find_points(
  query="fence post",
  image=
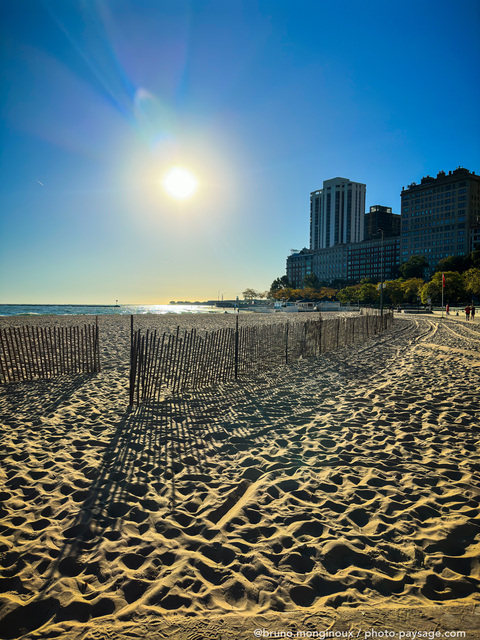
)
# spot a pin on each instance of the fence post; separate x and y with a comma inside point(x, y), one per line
point(132, 366)
point(286, 343)
point(320, 335)
point(236, 347)
point(97, 366)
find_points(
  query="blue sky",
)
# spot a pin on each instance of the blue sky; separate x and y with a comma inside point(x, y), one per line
point(262, 100)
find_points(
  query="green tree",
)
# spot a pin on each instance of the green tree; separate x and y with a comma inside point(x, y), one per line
point(414, 267)
point(349, 294)
point(411, 289)
point(280, 283)
point(471, 280)
point(454, 290)
point(452, 263)
point(394, 292)
point(311, 281)
point(369, 294)
point(250, 294)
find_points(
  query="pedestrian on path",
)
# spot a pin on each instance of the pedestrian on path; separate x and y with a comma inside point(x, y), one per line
point(472, 312)
point(467, 312)
point(447, 308)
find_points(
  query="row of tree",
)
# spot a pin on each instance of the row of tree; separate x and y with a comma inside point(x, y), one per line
point(462, 282)
point(459, 287)
point(416, 266)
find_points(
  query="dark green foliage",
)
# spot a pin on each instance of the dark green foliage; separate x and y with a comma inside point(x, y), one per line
point(312, 281)
point(414, 267)
point(280, 283)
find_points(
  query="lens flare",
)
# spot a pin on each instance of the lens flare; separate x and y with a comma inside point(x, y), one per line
point(179, 183)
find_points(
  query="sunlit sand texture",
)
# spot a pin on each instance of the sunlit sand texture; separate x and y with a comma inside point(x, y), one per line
point(348, 482)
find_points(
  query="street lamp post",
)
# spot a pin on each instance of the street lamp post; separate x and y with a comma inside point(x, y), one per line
point(382, 269)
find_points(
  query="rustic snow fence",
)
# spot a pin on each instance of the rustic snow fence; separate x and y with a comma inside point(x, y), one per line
point(188, 360)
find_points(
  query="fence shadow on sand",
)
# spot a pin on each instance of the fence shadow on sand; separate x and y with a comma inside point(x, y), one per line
point(39, 398)
point(157, 454)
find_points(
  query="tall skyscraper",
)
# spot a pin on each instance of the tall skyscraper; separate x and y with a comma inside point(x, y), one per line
point(337, 213)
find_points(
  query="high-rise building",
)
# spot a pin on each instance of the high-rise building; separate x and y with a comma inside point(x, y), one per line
point(381, 218)
point(440, 216)
point(337, 213)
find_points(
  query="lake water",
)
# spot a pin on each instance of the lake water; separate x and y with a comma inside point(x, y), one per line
point(97, 310)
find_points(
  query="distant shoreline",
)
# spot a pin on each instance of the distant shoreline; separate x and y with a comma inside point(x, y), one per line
point(102, 306)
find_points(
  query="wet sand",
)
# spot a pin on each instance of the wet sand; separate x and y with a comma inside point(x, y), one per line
point(340, 493)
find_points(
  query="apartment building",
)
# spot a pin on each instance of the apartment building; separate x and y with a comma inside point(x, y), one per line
point(374, 259)
point(299, 265)
point(344, 264)
point(337, 213)
point(440, 217)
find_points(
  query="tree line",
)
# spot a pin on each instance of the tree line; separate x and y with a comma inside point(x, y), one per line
point(462, 283)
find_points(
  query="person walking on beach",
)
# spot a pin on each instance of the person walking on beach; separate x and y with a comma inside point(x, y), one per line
point(447, 309)
point(467, 312)
point(472, 312)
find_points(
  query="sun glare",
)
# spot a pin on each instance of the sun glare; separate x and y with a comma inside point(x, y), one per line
point(179, 183)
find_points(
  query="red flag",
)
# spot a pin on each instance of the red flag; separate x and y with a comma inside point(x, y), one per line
point(443, 280)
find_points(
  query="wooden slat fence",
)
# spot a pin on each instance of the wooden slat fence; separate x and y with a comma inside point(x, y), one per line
point(180, 361)
point(30, 353)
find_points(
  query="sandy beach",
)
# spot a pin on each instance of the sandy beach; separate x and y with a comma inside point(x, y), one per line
point(339, 493)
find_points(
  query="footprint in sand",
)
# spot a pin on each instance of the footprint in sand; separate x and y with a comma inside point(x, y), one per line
point(133, 590)
point(133, 560)
point(218, 553)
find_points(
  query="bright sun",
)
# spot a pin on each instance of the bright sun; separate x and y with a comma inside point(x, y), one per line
point(179, 183)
